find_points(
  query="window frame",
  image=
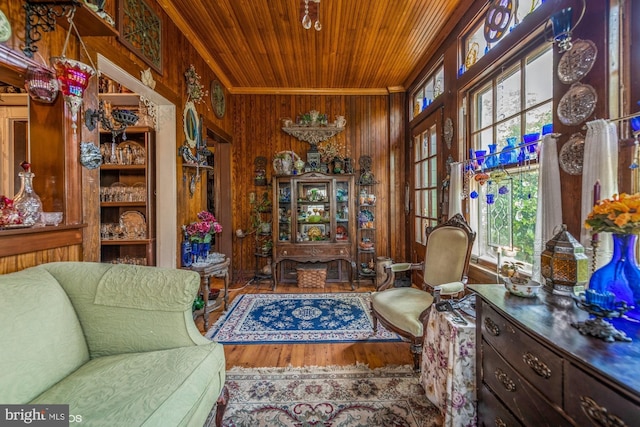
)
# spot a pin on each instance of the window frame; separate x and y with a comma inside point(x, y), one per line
point(516, 62)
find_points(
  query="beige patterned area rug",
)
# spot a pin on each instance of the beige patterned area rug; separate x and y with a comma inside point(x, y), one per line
point(344, 396)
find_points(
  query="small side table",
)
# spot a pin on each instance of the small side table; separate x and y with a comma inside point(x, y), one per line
point(449, 367)
point(219, 270)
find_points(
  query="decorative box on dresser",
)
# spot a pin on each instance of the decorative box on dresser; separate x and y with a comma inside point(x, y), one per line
point(535, 369)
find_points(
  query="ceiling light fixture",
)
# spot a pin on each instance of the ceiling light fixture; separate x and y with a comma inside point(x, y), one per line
point(307, 20)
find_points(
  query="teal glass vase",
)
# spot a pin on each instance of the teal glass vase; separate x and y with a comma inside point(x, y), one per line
point(621, 275)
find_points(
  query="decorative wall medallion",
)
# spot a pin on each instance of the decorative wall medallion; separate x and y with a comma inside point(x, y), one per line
point(577, 104)
point(571, 156)
point(577, 62)
point(218, 101)
point(448, 132)
point(141, 31)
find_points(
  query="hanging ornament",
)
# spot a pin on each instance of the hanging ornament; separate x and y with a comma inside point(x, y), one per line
point(73, 77)
point(41, 84)
point(474, 194)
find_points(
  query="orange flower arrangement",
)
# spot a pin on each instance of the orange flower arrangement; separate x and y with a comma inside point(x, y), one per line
point(620, 214)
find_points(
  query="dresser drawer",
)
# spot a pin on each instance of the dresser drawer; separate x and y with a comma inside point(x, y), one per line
point(312, 252)
point(589, 402)
point(541, 367)
point(528, 405)
point(493, 413)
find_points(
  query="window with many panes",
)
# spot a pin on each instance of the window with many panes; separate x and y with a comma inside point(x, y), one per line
point(515, 101)
point(429, 91)
point(425, 167)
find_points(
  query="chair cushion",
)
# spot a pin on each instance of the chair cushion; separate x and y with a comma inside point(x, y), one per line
point(401, 307)
point(156, 388)
point(41, 340)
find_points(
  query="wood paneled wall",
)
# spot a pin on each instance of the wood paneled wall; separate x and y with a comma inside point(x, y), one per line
point(178, 54)
point(374, 128)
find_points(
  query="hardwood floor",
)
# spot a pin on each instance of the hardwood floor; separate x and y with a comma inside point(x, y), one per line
point(280, 355)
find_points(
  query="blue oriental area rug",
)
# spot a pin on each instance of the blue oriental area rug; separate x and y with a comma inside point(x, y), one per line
point(298, 318)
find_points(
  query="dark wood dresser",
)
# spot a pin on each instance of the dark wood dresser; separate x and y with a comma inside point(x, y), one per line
point(535, 369)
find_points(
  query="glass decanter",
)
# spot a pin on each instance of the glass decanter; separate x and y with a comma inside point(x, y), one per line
point(27, 202)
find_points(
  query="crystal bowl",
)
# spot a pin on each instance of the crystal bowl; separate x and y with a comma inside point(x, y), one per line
point(528, 289)
point(51, 218)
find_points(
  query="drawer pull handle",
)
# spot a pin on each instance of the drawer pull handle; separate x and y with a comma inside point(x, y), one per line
point(599, 414)
point(536, 365)
point(504, 379)
point(500, 423)
point(491, 326)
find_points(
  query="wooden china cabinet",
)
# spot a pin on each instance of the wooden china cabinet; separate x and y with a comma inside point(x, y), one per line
point(313, 220)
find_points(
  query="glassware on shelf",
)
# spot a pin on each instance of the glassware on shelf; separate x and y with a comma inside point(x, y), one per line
point(27, 202)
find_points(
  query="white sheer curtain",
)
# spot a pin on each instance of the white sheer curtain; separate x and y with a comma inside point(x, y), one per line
point(456, 183)
point(549, 214)
point(600, 164)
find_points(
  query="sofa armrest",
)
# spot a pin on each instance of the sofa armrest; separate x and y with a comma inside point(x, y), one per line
point(126, 308)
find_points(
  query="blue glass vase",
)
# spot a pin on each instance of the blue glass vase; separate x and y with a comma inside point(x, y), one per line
point(492, 158)
point(621, 275)
point(508, 155)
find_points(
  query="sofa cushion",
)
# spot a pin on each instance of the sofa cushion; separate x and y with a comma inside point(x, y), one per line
point(41, 340)
point(117, 327)
point(158, 388)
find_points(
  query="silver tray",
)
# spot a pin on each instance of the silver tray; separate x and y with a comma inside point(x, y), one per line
point(577, 104)
point(577, 62)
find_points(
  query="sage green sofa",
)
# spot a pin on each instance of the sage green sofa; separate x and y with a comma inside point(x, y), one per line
point(117, 343)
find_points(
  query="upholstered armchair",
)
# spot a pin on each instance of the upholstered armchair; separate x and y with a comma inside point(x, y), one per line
point(446, 262)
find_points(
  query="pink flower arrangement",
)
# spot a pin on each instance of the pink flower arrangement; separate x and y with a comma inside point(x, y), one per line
point(202, 231)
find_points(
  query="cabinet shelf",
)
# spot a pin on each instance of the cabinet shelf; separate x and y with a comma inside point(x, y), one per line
point(125, 242)
point(122, 204)
point(137, 180)
point(111, 166)
point(366, 213)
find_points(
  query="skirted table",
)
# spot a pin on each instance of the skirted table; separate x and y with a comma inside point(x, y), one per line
point(449, 369)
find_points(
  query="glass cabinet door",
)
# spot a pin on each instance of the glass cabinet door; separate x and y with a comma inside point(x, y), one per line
point(313, 211)
point(342, 211)
point(284, 211)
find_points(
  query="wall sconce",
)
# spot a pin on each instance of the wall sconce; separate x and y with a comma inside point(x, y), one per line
point(115, 121)
point(562, 26)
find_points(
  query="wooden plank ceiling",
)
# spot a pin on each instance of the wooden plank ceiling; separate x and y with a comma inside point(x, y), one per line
point(260, 46)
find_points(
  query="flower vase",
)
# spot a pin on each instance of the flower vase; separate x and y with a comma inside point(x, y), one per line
point(621, 275)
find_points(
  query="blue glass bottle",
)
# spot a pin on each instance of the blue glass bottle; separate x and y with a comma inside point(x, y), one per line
point(621, 275)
